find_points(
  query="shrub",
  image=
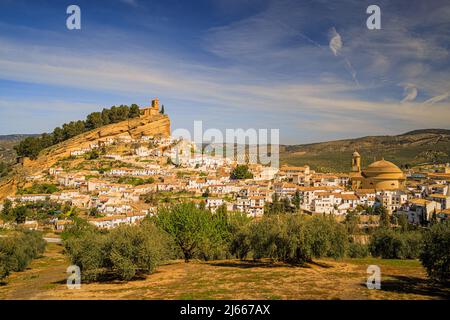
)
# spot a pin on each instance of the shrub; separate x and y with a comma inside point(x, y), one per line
point(265, 238)
point(329, 238)
point(135, 250)
point(390, 244)
point(216, 243)
point(412, 244)
point(435, 256)
point(239, 227)
point(87, 252)
point(386, 244)
point(18, 250)
point(357, 250)
point(123, 253)
point(77, 229)
point(296, 239)
point(43, 188)
point(241, 172)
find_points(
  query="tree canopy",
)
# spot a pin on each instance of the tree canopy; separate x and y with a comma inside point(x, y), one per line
point(241, 172)
point(31, 146)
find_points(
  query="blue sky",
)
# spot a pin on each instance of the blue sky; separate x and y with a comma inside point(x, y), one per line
point(310, 68)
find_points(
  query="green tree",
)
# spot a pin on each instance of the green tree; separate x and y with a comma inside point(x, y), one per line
point(162, 109)
point(92, 155)
point(123, 253)
point(94, 120)
point(435, 256)
point(20, 214)
point(206, 193)
point(29, 147)
point(276, 206)
point(191, 228)
point(240, 245)
point(241, 172)
point(73, 129)
point(7, 211)
point(87, 251)
point(134, 111)
point(106, 118)
point(3, 169)
point(296, 239)
point(296, 201)
point(357, 250)
point(403, 222)
point(352, 221)
point(93, 212)
point(46, 140)
point(391, 244)
point(17, 251)
point(384, 216)
point(135, 250)
point(286, 205)
point(58, 135)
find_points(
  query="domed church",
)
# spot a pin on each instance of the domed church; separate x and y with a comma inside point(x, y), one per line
point(380, 175)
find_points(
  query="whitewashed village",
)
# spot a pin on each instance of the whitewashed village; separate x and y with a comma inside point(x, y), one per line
point(122, 180)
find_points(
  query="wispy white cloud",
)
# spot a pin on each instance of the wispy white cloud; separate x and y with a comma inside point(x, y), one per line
point(409, 92)
point(267, 67)
point(335, 42)
point(336, 45)
point(438, 98)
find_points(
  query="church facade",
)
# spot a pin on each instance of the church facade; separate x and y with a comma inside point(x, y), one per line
point(379, 175)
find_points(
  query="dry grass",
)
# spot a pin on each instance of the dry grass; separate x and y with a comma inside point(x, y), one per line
point(231, 279)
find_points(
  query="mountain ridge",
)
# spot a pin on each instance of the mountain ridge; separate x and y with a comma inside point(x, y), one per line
point(405, 150)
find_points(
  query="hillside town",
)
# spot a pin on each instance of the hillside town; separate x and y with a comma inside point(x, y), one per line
point(122, 180)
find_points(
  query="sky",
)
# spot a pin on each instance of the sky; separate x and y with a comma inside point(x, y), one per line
point(311, 69)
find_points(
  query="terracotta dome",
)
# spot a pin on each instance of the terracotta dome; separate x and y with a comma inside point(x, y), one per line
point(383, 166)
point(380, 175)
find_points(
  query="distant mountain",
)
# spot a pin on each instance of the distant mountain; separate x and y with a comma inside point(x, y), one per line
point(408, 149)
point(7, 142)
point(15, 137)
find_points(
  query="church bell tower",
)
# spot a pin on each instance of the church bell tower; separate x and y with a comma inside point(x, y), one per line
point(356, 162)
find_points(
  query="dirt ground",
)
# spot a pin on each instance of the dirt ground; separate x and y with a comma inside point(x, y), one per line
point(231, 279)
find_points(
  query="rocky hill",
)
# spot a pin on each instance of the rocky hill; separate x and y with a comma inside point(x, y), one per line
point(408, 149)
point(150, 125)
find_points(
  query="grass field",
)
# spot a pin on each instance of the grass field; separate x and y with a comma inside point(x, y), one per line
point(230, 279)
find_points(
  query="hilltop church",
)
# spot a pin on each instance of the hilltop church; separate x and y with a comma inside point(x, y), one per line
point(153, 110)
point(380, 175)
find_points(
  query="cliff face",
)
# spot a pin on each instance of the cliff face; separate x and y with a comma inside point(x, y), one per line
point(135, 128)
point(150, 125)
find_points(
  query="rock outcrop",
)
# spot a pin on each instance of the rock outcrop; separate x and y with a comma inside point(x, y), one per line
point(148, 125)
